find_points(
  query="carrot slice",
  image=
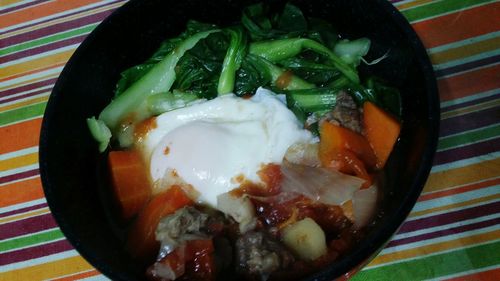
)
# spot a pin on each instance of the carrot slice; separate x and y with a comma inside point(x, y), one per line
point(131, 184)
point(142, 242)
point(381, 130)
point(335, 139)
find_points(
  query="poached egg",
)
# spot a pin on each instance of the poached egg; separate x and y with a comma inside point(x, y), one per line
point(211, 144)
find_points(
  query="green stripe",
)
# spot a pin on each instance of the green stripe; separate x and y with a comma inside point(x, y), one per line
point(469, 137)
point(436, 265)
point(46, 40)
point(22, 113)
point(31, 240)
point(440, 7)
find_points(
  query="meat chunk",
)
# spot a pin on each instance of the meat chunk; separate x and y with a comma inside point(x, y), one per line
point(259, 254)
point(185, 224)
point(345, 113)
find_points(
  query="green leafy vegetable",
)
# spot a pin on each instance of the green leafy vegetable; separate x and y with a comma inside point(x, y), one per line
point(232, 62)
point(276, 50)
point(288, 52)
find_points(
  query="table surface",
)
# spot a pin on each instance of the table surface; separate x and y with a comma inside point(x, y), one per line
point(453, 232)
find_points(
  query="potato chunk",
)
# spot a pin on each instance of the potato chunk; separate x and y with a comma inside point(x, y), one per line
point(306, 239)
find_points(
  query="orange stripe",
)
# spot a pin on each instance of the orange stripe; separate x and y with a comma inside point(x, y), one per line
point(460, 86)
point(20, 135)
point(412, 4)
point(435, 248)
point(35, 65)
point(48, 270)
point(20, 192)
point(41, 11)
point(455, 205)
point(458, 26)
point(458, 190)
point(487, 275)
point(33, 71)
point(463, 175)
point(78, 276)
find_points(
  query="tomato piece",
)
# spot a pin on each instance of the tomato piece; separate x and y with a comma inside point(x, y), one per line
point(142, 242)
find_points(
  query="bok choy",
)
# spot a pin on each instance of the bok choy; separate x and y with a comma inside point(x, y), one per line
point(302, 57)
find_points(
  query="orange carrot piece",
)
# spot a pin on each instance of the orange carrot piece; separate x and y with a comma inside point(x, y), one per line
point(142, 242)
point(334, 139)
point(381, 130)
point(131, 184)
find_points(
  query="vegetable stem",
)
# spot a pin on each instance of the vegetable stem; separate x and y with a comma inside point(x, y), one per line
point(276, 50)
point(232, 61)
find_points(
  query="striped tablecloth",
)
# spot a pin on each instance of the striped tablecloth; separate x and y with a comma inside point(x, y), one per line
point(453, 233)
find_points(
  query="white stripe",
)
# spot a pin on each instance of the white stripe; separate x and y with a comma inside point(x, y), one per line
point(465, 162)
point(15, 11)
point(464, 60)
point(39, 261)
point(37, 96)
point(26, 215)
point(453, 11)
point(22, 205)
point(4, 7)
point(48, 87)
point(30, 234)
point(44, 94)
point(430, 255)
point(464, 273)
point(96, 278)
point(461, 185)
point(49, 35)
point(464, 42)
point(4, 173)
point(466, 71)
point(66, 12)
point(474, 142)
point(444, 226)
point(21, 121)
point(19, 180)
point(457, 198)
point(20, 152)
point(51, 73)
point(440, 239)
point(470, 98)
point(405, 2)
point(37, 244)
point(458, 208)
point(45, 54)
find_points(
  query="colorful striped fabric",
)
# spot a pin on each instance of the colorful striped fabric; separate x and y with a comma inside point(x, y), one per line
point(453, 233)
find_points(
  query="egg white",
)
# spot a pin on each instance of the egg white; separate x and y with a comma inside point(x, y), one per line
point(209, 144)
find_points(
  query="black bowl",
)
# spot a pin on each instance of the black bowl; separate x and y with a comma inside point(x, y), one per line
point(73, 172)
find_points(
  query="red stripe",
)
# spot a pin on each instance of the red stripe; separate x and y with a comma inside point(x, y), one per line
point(35, 252)
point(487, 275)
point(27, 226)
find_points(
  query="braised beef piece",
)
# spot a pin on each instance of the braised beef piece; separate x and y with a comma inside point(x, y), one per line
point(259, 254)
point(345, 113)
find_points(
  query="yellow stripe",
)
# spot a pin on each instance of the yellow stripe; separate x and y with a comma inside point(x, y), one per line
point(64, 19)
point(35, 64)
point(465, 51)
point(37, 79)
point(19, 161)
point(438, 247)
point(456, 205)
point(412, 4)
point(472, 108)
point(8, 2)
point(48, 270)
point(463, 175)
point(25, 215)
point(24, 103)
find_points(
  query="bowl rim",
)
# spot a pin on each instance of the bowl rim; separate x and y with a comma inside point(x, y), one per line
point(351, 261)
